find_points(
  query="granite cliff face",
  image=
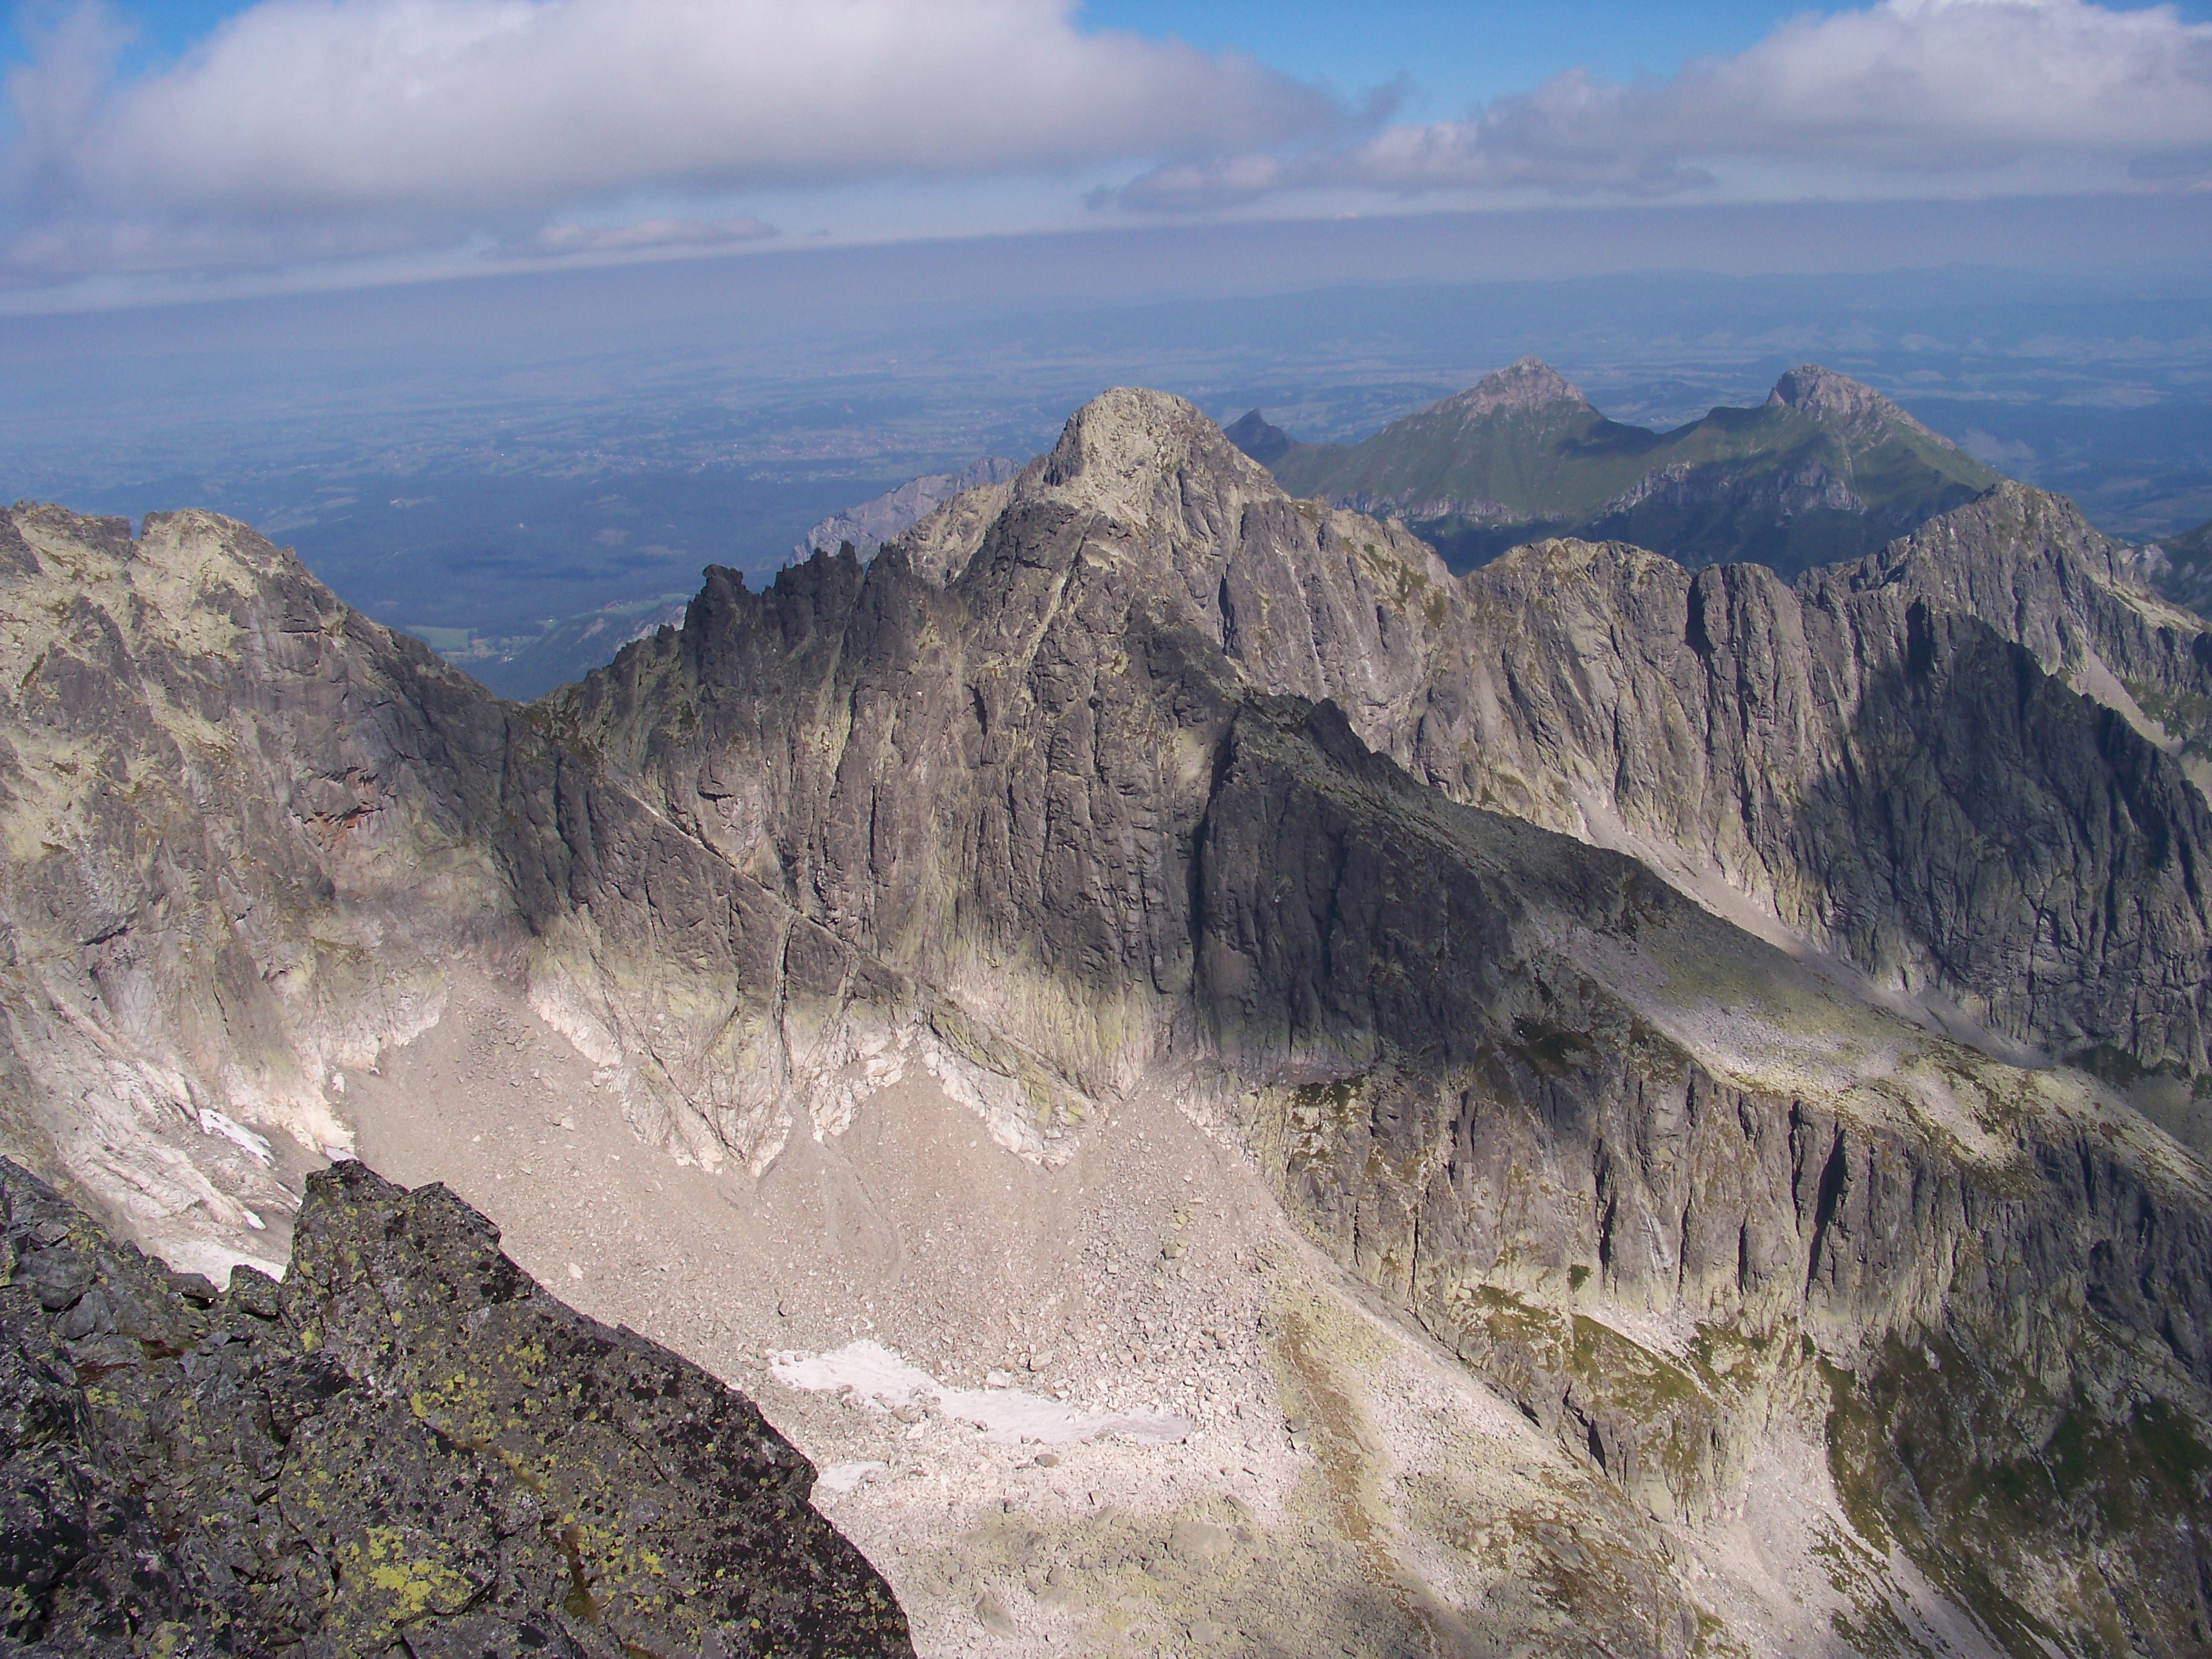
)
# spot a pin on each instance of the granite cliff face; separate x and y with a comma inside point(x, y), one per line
point(406, 1447)
point(1890, 758)
point(1646, 983)
point(1164, 777)
point(248, 830)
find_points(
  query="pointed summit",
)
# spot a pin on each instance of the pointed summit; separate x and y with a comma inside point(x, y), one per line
point(1826, 395)
point(1523, 387)
point(1144, 457)
point(1263, 441)
point(1825, 468)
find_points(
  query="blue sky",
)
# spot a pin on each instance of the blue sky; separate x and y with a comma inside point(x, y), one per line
point(149, 149)
point(1455, 54)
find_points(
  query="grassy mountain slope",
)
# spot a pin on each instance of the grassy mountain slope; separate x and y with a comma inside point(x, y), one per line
point(1825, 468)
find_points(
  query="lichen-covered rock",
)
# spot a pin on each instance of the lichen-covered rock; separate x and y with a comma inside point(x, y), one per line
point(408, 1447)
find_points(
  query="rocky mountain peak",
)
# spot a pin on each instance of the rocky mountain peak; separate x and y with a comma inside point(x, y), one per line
point(1182, 791)
point(871, 522)
point(1826, 395)
point(1520, 388)
point(2014, 551)
point(1258, 437)
point(1139, 456)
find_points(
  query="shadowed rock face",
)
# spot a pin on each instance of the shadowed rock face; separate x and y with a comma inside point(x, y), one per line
point(406, 1447)
point(1483, 1115)
point(1891, 759)
point(245, 828)
point(1136, 773)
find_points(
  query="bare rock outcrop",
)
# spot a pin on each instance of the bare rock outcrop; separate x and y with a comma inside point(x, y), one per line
point(1176, 777)
point(1856, 755)
point(1871, 762)
point(405, 1447)
point(1636, 977)
point(248, 828)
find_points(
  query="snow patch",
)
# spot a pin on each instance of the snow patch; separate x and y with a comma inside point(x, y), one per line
point(882, 1379)
point(844, 1477)
point(213, 1122)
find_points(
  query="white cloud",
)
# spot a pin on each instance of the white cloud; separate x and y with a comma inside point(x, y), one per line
point(418, 133)
point(454, 118)
point(649, 233)
point(1908, 95)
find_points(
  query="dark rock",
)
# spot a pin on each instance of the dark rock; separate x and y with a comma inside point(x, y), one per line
point(1257, 437)
point(254, 1292)
point(488, 1636)
point(196, 1288)
point(56, 1276)
point(408, 1447)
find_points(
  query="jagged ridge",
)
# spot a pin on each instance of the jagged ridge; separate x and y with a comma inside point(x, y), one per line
point(1152, 775)
point(1827, 469)
point(1505, 1076)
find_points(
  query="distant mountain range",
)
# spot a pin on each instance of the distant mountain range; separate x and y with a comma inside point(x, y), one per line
point(1825, 468)
point(872, 523)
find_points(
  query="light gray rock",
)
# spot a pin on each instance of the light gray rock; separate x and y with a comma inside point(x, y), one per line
point(874, 522)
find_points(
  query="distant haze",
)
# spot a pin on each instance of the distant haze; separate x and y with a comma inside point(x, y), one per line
point(499, 457)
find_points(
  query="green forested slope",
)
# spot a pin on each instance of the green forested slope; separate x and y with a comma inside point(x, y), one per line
point(1825, 468)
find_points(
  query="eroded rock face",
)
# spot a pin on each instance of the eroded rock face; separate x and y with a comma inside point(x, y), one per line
point(1097, 784)
point(1866, 756)
point(1134, 772)
point(1892, 759)
point(405, 1447)
point(247, 828)
point(1506, 1131)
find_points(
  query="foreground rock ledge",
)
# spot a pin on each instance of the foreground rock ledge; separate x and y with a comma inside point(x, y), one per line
point(406, 1448)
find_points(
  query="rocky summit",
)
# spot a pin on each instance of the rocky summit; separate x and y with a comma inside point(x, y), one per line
point(1239, 1089)
point(406, 1447)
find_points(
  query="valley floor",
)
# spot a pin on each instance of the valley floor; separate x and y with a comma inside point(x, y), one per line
point(1342, 1487)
